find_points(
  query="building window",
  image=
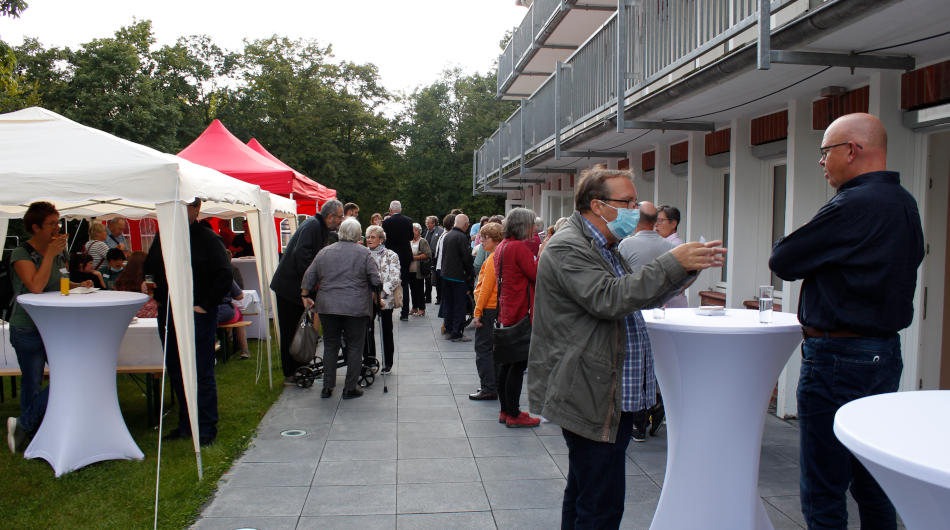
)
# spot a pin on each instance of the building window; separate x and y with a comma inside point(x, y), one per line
point(778, 213)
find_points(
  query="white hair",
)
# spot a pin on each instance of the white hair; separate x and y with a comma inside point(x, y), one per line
point(417, 226)
point(350, 230)
point(395, 206)
point(378, 230)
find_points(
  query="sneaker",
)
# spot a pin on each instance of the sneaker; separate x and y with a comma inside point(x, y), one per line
point(656, 419)
point(502, 417)
point(522, 420)
point(387, 369)
point(15, 434)
point(352, 394)
point(639, 434)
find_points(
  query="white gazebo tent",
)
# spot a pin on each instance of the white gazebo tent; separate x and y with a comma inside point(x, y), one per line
point(87, 172)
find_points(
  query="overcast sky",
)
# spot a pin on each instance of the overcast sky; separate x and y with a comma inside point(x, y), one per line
point(411, 41)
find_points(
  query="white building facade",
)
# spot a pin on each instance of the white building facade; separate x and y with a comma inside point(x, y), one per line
point(709, 126)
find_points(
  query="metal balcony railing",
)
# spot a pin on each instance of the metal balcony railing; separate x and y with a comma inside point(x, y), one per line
point(524, 39)
point(663, 36)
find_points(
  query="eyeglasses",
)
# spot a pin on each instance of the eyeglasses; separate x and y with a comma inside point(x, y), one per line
point(823, 151)
point(630, 203)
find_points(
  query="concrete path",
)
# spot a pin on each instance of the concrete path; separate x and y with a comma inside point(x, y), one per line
point(425, 456)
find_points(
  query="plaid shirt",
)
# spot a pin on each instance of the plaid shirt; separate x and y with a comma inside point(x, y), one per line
point(639, 381)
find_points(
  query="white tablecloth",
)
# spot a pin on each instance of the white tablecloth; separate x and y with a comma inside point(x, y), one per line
point(140, 345)
point(716, 374)
point(248, 268)
point(911, 463)
point(82, 334)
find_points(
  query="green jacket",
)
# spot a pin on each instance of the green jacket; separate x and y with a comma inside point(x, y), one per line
point(578, 339)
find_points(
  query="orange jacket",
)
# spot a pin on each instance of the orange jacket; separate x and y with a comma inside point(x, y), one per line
point(486, 292)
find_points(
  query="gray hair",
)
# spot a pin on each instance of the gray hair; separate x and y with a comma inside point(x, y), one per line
point(417, 226)
point(539, 223)
point(331, 207)
point(350, 228)
point(519, 224)
point(378, 230)
point(395, 206)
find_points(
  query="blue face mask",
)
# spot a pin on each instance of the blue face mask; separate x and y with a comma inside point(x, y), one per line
point(625, 223)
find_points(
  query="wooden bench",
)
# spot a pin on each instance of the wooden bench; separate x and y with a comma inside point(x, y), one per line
point(224, 336)
point(152, 383)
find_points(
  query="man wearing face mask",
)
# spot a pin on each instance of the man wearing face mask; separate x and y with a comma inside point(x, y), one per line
point(583, 369)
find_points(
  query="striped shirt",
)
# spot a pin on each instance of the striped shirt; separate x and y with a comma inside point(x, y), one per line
point(639, 381)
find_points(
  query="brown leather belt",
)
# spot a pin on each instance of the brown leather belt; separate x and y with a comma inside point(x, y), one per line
point(815, 333)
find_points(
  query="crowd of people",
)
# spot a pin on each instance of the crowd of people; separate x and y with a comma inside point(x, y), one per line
point(580, 283)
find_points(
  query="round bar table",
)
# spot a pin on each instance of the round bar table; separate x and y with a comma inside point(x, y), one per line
point(716, 374)
point(912, 463)
point(82, 334)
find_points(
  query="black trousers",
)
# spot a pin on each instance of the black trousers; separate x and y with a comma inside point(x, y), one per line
point(596, 485)
point(510, 378)
point(288, 315)
point(428, 286)
point(335, 329)
point(437, 283)
point(456, 300)
point(416, 286)
point(206, 324)
point(404, 312)
point(484, 361)
point(389, 346)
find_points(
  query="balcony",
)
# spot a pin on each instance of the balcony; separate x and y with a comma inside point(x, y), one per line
point(664, 41)
point(550, 32)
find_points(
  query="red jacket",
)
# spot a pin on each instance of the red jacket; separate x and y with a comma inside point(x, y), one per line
point(518, 276)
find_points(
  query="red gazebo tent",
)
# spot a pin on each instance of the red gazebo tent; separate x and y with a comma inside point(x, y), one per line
point(217, 148)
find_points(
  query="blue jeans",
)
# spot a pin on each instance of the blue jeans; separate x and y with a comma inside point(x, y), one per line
point(31, 355)
point(834, 372)
point(596, 485)
point(206, 325)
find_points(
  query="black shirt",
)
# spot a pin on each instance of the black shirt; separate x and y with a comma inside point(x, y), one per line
point(210, 270)
point(304, 245)
point(858, 257)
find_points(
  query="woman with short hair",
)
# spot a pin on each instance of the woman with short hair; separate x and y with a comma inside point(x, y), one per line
point(486, 311)
point(343, 276)
point(418, 270)
point(516, 265)
point(36, 263)
point(387, 263)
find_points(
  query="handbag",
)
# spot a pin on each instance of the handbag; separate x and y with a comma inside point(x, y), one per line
point(510, 344)
point(304, 346)
point(397, 296)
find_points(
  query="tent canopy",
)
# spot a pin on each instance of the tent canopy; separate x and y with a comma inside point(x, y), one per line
point(217, 148)
point(87, 172)
point(301, 187)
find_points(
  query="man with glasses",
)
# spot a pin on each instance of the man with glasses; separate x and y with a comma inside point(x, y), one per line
point(587, 331)
point(858, 258)
point(306, 242)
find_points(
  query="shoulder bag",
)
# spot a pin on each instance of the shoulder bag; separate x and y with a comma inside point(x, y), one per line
point(510, 343)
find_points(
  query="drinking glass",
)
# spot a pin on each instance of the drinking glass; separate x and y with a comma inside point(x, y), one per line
point(765, 304)
point(64, 285)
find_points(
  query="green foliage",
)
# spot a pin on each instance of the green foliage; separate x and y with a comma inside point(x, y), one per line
point(325, 117)
point(12, 8)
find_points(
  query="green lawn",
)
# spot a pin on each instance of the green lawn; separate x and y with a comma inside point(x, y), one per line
point(121, 493)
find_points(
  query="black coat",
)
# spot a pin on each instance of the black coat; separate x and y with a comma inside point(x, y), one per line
point(210, 270)
point(399, 237)
point(457, 256)
point(309, 239)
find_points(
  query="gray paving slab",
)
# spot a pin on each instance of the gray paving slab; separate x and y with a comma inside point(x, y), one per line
point(425, 456)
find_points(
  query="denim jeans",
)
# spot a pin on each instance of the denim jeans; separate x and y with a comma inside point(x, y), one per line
point(31, 355)
point(834, 372)
point(206, 324)
point(596, 485)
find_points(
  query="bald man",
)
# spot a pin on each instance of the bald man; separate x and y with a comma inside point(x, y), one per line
point(858, 258)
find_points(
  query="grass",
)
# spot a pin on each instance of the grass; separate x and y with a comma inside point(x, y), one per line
point(121, 493)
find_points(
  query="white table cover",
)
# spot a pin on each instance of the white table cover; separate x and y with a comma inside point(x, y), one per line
point(912, 463)
point(716, 374)
point(248, 268)
point(82, 334)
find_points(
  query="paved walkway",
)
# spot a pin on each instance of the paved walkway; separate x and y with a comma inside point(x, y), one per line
point(425, 456)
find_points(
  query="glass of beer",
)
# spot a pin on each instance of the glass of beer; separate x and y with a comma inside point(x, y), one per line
point(64, 284)
point(150, 284)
